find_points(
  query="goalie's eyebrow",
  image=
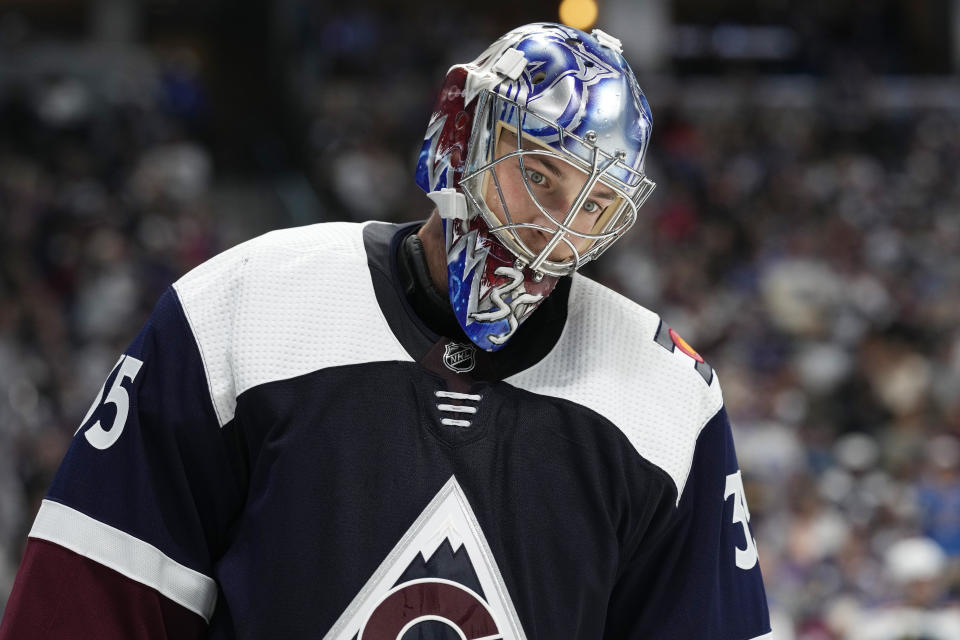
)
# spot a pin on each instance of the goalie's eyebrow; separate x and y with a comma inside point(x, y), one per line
point(599, 191)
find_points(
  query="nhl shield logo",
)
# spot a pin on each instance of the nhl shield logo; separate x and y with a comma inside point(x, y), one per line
point(459, 358)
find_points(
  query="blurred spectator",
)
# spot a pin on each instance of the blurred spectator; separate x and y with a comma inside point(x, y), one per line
point(939, 494)
point(915, 569)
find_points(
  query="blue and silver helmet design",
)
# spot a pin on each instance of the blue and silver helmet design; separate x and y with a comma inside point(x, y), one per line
point(544, 105)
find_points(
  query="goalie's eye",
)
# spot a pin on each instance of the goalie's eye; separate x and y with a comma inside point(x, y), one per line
point(591, 206)
point(535, 177)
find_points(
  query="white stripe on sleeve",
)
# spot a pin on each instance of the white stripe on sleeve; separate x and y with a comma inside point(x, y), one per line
point(125, 554)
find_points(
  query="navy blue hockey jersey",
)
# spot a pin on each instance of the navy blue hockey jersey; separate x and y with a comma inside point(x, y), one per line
point(287, 451)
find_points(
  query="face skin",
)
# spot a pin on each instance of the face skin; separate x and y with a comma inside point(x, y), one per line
point(555, 184)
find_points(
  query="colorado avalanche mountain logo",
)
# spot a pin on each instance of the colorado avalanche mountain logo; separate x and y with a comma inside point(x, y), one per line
point(430, 604)
point(460, 358)
point(440, 582)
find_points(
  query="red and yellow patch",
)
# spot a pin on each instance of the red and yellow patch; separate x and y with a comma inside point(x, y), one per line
point(683, 346)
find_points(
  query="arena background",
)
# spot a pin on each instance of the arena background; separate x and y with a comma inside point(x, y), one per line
point(804, 235)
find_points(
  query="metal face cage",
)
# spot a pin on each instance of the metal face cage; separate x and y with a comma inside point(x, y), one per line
point(555, 199)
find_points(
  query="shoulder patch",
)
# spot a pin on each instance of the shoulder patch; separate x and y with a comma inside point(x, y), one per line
point(670, 339)
point(623, 362)
point(282, 305)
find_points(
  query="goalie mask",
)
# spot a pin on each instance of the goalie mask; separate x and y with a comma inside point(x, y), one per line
point(534, 157)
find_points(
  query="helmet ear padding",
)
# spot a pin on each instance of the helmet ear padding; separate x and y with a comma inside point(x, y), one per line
point(444, 152)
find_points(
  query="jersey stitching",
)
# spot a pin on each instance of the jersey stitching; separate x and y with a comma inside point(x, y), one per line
point(203, 358)
point(686, 477)
point(381, 317)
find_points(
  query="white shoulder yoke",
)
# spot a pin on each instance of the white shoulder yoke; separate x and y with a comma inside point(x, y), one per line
point(608, 360)
point(282, 305)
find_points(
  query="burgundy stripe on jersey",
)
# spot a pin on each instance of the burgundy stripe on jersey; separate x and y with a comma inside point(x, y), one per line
point(60, 594)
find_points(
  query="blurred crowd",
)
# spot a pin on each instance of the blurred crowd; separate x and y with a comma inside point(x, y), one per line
point(106, 197)
point(808, 251)
point(813, 260)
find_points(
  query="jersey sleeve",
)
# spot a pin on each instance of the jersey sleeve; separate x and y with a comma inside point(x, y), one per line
point(698, 576)
point(125, 541)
